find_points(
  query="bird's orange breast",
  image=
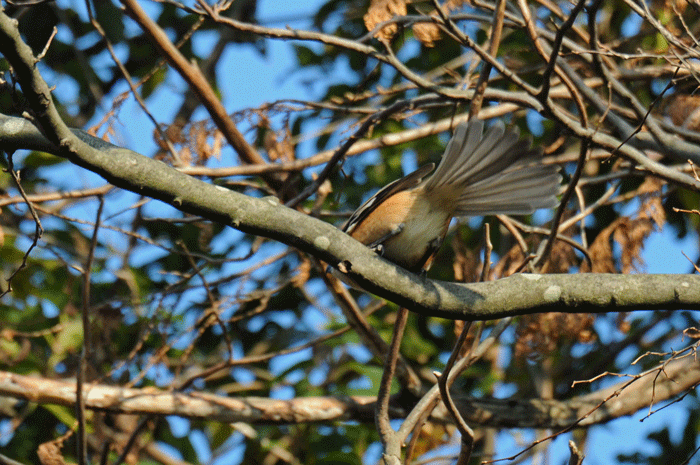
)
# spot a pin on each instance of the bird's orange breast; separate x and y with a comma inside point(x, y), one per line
point(422, 219)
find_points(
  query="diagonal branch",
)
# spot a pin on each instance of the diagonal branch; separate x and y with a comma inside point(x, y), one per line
point(517, 295)
point(199, 85)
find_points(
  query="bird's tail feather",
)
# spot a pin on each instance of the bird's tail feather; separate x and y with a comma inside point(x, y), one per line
point(497, 172)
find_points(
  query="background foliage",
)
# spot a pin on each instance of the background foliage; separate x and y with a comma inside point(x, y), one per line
point(185, 305)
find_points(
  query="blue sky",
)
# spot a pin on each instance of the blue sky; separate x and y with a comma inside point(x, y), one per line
point(252, 79)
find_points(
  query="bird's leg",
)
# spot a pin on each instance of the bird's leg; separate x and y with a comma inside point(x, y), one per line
point(378, 245)
point(430, 252)
point(435, 244)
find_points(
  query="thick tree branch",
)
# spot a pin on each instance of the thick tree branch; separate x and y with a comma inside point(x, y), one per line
point(665, 382)
point(625, 398)
point(517, 295)
point(436, 90)
point(266, 217)
point(191, 405)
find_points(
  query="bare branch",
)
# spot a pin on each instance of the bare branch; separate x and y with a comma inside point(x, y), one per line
point(87, 341)
point(38, 229)
point(193, 75)
point(390, 440)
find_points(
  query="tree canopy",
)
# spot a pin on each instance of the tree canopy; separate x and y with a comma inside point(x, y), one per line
point(164, 295)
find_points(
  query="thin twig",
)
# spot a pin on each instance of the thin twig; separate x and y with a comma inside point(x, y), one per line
point(487, 253)
point(5, 460)
point(199, 85)
point(132, 439)
point(577, 456)
point(482, 83)
point(390, 442)
point(368, 334)
point(134, 91)
point(546, 90)
point(444, 382)
point(541, 257)
point(87, 337)
point(340, 153)
point(52, 196)
point(41, 55)
point(38, 230)
point(556, 46)
point(420, 413)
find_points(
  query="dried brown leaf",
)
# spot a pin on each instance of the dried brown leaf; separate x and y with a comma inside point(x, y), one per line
point(543, 333)
point(217, 143)
point(279, 148)
point(303, 272)
point(206, 234)
point(431, 436)
point(383, 10)
point(175, 133)
point(623, 325)
point(50, 454)
point(684, 111)
point(429, 33)
point(629, 232)
point(509, 263)
point(198, 141)
point(466, 263)
point(185, 155)
point(630, 235)
point(601, 252)
point(561, 259)
point(194, 142)
point(426, 33)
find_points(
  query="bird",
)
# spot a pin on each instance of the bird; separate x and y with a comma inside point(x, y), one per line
point(482, 172)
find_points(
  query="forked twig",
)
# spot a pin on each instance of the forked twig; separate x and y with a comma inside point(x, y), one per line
point(389, 438)
point(444, 382)
point(38, 231)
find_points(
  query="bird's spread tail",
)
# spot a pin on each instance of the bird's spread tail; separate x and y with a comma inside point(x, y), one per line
point(497, 172)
